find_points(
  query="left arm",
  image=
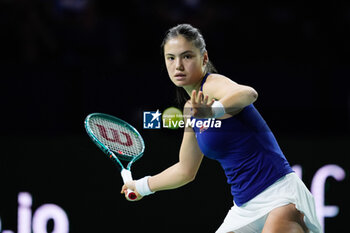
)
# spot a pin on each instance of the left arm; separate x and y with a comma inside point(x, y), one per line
point(233, 96)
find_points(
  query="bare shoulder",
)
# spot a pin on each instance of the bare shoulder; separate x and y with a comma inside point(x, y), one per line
point(217, 80)
point(215, 76)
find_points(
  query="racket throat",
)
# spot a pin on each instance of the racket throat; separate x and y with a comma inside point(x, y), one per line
point(126, 175)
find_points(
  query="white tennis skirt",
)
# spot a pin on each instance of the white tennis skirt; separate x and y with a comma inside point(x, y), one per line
point(251, 216)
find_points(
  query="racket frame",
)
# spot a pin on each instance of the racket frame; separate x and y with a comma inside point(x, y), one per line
point(113, 155)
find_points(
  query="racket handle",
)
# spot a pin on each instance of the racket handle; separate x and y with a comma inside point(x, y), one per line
point(126, 175)
point(131, 195)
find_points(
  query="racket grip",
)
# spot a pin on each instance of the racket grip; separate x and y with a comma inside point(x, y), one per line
point(126, 175)
point(131, 195)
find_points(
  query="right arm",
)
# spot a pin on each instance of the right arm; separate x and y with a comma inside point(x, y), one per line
point(181, 173)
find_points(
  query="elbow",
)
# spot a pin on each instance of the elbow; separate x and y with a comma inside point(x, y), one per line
point(189, 176)
point(192, 177)
point(253, 95)
point(250, 95)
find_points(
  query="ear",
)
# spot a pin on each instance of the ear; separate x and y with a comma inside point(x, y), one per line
point(205, 58)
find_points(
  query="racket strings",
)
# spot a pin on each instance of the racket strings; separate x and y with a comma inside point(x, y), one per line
point(117, 136)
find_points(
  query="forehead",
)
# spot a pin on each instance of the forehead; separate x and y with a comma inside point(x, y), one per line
point(179, 44)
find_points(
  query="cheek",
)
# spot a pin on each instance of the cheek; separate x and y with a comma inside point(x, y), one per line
point(169, 68)
point(193, 66)
point(168, 64)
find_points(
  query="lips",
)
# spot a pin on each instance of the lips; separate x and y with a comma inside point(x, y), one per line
point(180, 76)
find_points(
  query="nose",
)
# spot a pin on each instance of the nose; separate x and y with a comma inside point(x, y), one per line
point(179, 65)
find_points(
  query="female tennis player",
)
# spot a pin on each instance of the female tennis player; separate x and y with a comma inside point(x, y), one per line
point(268, 195)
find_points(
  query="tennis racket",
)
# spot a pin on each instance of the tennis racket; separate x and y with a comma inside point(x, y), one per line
point(118, 140)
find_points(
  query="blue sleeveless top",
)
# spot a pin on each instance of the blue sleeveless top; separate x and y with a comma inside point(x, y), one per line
point(247, 151)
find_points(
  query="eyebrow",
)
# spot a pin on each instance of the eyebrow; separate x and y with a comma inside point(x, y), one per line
point(187, 51)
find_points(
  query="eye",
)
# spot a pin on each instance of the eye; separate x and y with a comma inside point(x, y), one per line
point(188, 56)
point(169, 58)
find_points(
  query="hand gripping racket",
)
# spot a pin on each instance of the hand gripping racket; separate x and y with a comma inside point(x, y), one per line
point(118, 140)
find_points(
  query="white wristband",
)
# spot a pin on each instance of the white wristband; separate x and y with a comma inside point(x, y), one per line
point(142, 186)
point(218, 109)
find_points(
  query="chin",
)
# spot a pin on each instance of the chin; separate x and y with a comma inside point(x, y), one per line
point(179, 83)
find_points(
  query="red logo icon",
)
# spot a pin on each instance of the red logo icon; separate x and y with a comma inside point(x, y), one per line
point(115, 136)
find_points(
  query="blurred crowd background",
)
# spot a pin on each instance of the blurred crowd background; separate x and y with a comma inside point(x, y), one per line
point(63, 59)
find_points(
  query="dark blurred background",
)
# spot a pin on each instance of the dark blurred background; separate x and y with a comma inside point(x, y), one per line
point(63, 59)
